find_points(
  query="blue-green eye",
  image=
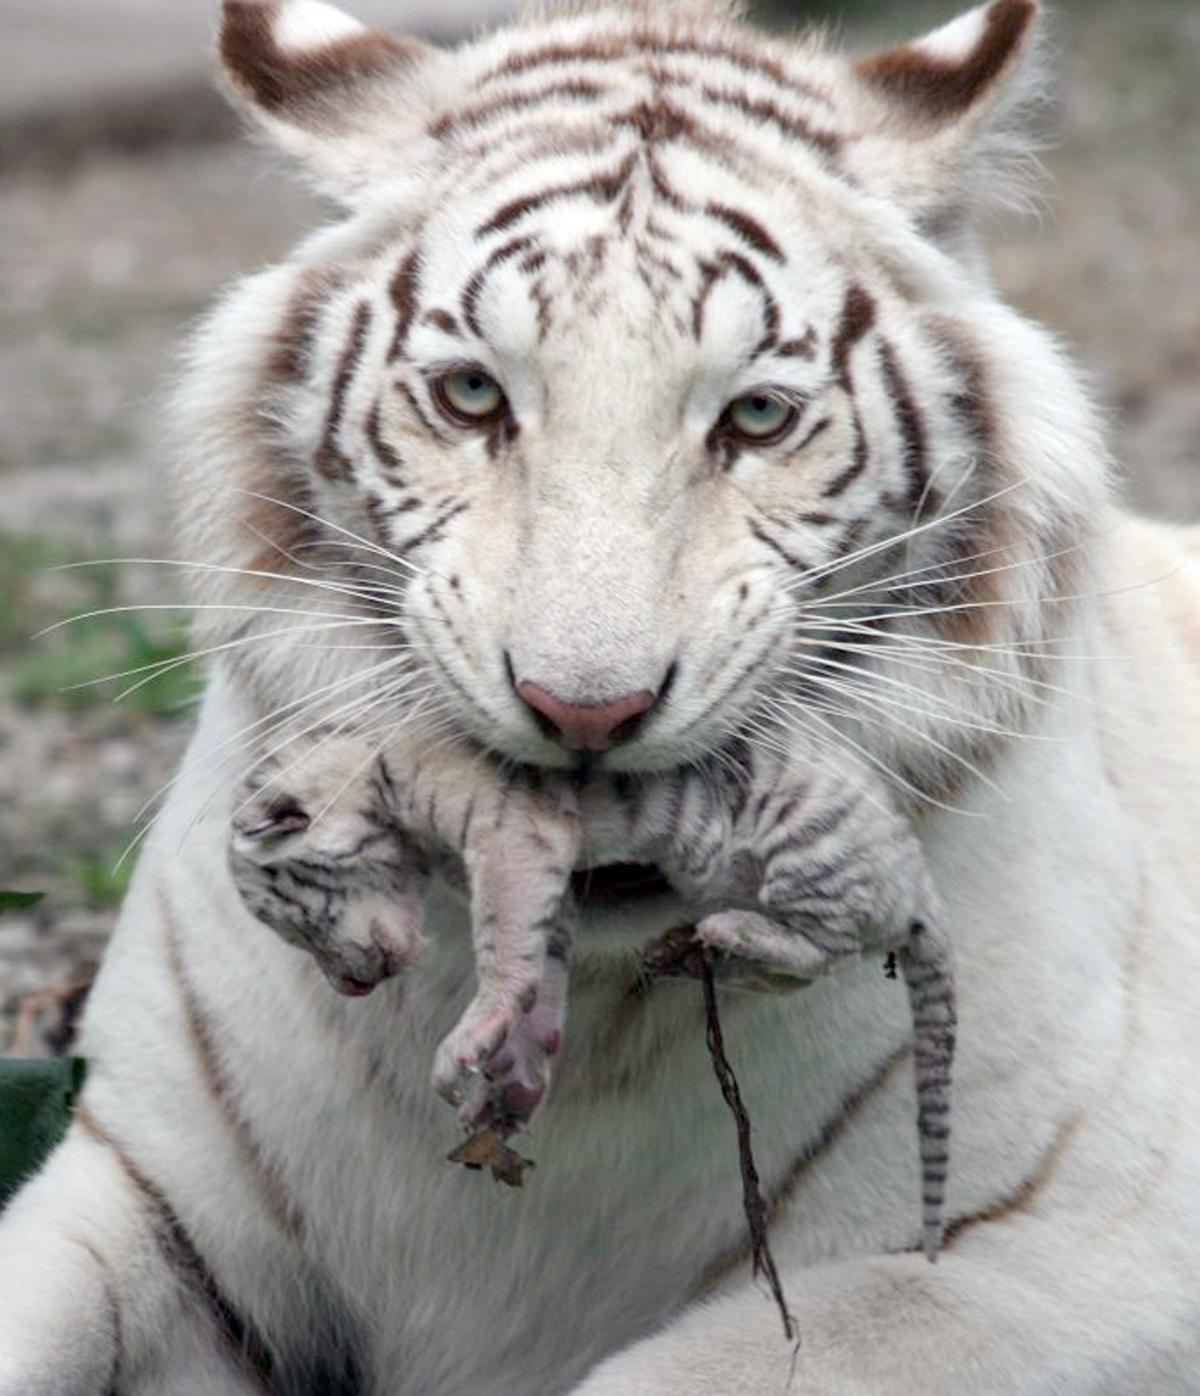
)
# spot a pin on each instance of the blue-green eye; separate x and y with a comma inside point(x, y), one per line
point(470, 395)
point(759, 416)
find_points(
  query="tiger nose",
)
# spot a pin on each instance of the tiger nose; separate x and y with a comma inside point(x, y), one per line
point(584, 726)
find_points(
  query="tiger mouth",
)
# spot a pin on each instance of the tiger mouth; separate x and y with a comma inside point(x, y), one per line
point(616, 884)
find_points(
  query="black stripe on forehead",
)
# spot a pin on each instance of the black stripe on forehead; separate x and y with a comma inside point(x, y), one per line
point(747, 228)
point(712, 272)
point(789, 124)
point(603, 188)
point(858, 315)
point(477, 280)
point(611, 48)
point(404, 289)
point(524, 101)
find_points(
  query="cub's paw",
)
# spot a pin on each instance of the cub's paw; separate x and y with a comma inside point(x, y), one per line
point(331, 874)
point(754, 952)
point(495, 1065)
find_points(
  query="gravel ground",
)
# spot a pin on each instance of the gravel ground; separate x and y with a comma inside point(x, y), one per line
point(109, 248)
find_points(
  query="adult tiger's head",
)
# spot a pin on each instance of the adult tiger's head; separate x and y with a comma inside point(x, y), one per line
point(651, 385)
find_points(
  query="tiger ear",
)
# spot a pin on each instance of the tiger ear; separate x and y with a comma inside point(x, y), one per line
point(322, 86)
point(942, 112)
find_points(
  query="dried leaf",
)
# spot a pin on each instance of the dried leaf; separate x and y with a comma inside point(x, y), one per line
point(486, 1149)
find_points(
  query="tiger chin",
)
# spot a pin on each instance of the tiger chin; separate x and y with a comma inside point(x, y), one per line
point(644, 417)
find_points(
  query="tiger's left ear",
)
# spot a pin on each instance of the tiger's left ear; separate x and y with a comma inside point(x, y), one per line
point(336, 95)
point(941, 113)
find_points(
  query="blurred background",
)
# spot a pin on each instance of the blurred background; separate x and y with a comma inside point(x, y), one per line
point(126, 202)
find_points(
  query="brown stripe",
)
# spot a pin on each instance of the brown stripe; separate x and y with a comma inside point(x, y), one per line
point(443, 320)
point(114, 1312)
point(179, 1252)
point(388, 457)
point(576, 89)
point(814, 431)
point(769, 112)
point(754, 64)
point(265, 1176)
point(858, 315)
point(419, 412)
point(845, 1115)
point(664, 189)
point(803, 348)
point(712, 272)
point(474, 286)
point(604, 188)
point(656, 45)
point(595, 52)
point(329, 459)
point(988, 526)
point(1022, 1197)
point(858, 463)
point(404, 289)
point(912, 429)
point(291, 358)
point(433, 531)
point(747, 228)
point(764, 537)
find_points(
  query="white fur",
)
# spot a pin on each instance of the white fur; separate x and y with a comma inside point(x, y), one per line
point(311, 24)
point(1069, 874)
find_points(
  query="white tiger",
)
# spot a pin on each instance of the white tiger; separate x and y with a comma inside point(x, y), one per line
point(651, 399)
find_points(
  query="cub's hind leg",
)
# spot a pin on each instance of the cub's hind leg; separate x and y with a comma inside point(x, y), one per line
point(89, 1304)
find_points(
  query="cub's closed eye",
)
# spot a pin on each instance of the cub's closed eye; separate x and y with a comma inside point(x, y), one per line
point(758, 417)
point(469, 396)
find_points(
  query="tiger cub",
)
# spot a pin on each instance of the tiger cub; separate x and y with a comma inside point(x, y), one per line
point(794, 867)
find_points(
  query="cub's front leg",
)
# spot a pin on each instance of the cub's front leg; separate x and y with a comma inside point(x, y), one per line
point(316, 853)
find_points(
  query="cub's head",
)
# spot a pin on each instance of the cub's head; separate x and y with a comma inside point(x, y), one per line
point(648, 395)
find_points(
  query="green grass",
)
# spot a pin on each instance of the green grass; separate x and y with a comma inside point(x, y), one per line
point(93, 877)
point(52, 668)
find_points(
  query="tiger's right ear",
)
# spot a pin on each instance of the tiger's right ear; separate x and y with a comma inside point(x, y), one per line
point(334, 94)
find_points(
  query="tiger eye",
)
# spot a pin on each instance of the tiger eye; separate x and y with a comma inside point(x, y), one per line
point(759, 417)
point(470, 395)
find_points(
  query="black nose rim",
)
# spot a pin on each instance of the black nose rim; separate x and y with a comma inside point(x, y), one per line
point(632, 726)
point(622, 733)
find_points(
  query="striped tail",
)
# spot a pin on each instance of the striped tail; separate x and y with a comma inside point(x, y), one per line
point(928, 966)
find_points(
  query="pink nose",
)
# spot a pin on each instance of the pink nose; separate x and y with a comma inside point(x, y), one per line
point(584, 727)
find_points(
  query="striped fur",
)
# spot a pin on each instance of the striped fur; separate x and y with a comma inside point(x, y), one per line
point(792, 869)
point(901, 640)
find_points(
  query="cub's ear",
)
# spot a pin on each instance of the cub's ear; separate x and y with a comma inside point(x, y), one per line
point(942, 114)
point(328, 90)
